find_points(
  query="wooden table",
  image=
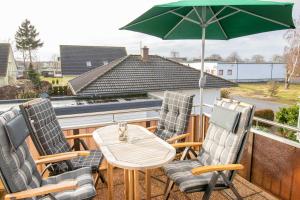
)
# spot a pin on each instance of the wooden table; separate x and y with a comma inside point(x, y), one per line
point(142, 151)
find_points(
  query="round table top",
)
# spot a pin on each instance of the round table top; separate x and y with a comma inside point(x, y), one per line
point(142, 150)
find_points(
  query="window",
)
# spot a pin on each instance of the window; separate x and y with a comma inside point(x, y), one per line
point(88, 63)
point(220, 72)
point(229, 72)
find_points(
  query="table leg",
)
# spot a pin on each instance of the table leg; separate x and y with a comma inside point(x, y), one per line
point(110, 181)
point(131, 184)
point(148, 184)
point(126, 184)
point(136, 185)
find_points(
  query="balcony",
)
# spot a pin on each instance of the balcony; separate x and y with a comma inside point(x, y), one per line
point(272, 163)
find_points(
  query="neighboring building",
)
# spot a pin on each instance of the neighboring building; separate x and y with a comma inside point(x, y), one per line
point(76, 60)
point(8, 66)
point(244, 72)
point(151, 74)
point(45, 68)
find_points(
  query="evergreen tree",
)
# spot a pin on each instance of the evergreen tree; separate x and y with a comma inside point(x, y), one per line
point(34, 77)
point(26, 39)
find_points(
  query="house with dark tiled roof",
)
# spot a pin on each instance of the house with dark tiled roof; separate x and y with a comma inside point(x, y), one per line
point(76, 60)
point(145, 74)
point(8, 66)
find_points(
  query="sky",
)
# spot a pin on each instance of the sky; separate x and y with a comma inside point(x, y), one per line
point(97, 23)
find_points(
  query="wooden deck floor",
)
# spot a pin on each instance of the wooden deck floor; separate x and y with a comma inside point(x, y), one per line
point(246, 189)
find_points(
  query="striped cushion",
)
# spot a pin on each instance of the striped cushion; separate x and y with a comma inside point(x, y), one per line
point(220, 147)
point(86, 189)
point(181, 173)
point(17, 166)
point(174, 115)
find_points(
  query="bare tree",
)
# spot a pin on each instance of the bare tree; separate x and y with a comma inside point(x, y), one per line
point(292, 53)
point(277, 58)
point(214, 57)
point(258, 58)
point(234, 57)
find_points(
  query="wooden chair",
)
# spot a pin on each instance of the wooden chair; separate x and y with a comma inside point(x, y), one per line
point(220, 154)
point(49, 139)
point(18, 170)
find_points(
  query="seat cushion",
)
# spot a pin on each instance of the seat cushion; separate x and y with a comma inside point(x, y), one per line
point(93, 160)
point(181, 173)
point(85, 190)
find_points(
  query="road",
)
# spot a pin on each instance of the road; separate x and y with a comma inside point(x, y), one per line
point(261, 104)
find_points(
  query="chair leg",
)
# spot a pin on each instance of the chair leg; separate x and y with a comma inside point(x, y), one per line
point(168, 189)
point(185, 153)
point(99, 176)
point(211, 186)
point(231, 186)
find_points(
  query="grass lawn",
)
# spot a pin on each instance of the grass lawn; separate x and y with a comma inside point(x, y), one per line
point(61, 81)
point(260, 91)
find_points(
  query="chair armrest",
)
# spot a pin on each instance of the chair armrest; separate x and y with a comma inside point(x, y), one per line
point(61, 157)
point(47, 189)
point(187, 144)
point(174, 139)
point(215, 168)
point(152, 128)
point(72, 137)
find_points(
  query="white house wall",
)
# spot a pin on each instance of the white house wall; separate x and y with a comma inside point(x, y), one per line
point(245, 72)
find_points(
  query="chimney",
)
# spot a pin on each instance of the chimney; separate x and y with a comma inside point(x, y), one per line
point(145, 54)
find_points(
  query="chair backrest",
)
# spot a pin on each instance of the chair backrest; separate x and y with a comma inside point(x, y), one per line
point(17, 168)
point(45, 130)
point(227, 133)
point(174, 115)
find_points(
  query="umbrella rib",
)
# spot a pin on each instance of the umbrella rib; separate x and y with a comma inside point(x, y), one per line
point(200, 19)
point(164, 13)
point(167, 35)
point(218, 22)
point(215, 14)
point(186, 18)
point(226, 16)
point(259, 16)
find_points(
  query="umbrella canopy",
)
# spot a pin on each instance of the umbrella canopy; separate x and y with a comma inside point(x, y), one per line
point(224, 19)
point(213, 19)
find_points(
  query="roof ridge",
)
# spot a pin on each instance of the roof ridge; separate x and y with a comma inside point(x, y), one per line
point(117, 62)
point(197, 69)
point(104, 46)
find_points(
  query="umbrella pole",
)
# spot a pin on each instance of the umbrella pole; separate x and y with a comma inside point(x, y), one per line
point(202, 83)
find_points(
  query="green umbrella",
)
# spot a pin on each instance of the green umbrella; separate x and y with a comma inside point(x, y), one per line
point(213, 19)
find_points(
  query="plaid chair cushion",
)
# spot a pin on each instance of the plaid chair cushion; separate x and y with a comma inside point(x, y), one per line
point(174, 115)
point(51, 139)
point(86, 189)
point(93, 160)
point(17, 166)
point(47, 129)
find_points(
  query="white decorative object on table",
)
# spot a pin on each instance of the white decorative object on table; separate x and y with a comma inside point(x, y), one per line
point(123, 131)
